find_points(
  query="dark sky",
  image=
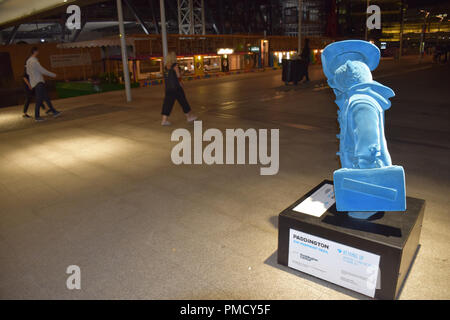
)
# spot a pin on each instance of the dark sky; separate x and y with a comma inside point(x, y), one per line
point(426, 3)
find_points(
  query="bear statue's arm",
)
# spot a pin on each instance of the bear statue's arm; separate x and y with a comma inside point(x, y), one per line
point(366, 130)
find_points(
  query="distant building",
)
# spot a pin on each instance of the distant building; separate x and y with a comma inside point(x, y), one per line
point(314, 17)
point(422, 26)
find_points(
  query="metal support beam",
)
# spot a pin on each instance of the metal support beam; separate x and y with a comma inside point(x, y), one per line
point(13, 34)
point(191, 17)
point(155, 22)
point(163, 29)
point(63, 31)
point(78, 31)
point(299, 32)
point(202, 15)
point(137, 16)
point(184, 17)
point(123, 47)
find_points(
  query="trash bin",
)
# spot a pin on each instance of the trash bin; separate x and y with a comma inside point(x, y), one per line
point(287, 71)
point(293, 70)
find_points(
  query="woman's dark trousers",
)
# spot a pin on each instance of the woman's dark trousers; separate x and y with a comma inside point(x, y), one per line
point(169, 100)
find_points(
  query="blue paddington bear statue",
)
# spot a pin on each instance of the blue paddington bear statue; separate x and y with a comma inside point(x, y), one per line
point(367, 182)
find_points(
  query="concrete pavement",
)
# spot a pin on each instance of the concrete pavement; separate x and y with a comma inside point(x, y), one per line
point(96, 188)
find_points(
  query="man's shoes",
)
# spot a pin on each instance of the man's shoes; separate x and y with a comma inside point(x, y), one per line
point(165, 123)
point(56, 114)
point(39, 119)
point(26, 115)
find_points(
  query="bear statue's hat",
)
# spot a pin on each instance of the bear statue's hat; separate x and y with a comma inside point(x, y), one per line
point(337, 53)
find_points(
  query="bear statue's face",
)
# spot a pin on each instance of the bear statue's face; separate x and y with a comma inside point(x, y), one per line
point(350, 74)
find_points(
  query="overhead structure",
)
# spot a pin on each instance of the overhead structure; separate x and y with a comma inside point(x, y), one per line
point(123, 47)
point(191, 17)
point(136, 14)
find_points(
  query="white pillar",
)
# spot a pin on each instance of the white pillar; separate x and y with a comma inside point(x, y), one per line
point(123, 47)
point(300, 16)
point(163, 28)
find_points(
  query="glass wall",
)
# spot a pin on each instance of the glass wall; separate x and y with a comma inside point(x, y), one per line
point(211, 64)
point(186, 65)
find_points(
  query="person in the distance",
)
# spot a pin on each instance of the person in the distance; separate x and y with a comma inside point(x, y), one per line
point(36, 72)
point(174, 91)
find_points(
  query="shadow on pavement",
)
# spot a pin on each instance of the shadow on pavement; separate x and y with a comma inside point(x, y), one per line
point(14, 120)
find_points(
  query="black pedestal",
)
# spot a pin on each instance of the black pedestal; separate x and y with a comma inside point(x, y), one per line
point(393, 236)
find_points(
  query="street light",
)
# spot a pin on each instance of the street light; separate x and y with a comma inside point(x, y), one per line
point(441, 17)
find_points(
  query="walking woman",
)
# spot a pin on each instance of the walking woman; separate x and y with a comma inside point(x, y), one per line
point(174, 91)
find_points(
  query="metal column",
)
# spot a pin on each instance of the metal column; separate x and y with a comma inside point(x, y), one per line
point(163, 28)
point(300, 16)
point(202, 14)
point(123, 47)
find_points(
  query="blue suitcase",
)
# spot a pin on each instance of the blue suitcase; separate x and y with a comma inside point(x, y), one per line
point(378, 189)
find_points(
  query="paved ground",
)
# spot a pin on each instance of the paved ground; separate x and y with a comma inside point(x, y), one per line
point(96, 188)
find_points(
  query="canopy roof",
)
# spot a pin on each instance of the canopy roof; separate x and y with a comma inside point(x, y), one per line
point(96, 43)
point(13, 12)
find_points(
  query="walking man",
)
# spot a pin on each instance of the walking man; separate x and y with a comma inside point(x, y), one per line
point(36, 72)
point(29, 93)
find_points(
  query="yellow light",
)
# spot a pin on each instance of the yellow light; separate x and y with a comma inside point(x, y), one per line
point(225, 51)
point(67, 152)
point(8, 119)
